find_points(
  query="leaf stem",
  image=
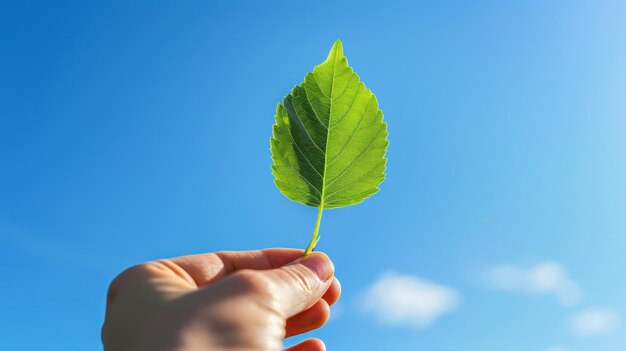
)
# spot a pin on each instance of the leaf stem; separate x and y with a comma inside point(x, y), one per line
point(316, 237)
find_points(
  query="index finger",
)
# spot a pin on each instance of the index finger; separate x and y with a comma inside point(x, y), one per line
point(207, 268)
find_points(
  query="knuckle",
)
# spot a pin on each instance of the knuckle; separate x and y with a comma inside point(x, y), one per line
point(132, 276)
point(251, 281)
point(302, 278)
point(128, 275)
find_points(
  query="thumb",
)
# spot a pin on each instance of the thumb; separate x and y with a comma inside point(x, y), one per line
point(298, 285)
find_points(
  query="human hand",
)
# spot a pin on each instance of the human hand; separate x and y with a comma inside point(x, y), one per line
point(223, 301)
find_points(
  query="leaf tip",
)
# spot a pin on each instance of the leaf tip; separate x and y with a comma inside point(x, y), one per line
point(336, 50)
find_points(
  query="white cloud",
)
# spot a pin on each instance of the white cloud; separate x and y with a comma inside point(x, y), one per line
point(408, 300)
point(556, 348)
point(594, 321)
point(545, 278)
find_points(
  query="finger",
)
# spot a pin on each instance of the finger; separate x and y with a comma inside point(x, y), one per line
point(207, 268)
point(332, 294)
point(297, 286)
point(315, 316)
point(308, 320)
point(308, 345)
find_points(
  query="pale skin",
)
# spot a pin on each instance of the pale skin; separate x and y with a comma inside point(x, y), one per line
point(223, 301)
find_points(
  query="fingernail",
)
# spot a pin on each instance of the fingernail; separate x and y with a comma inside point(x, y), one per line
point(320, 264)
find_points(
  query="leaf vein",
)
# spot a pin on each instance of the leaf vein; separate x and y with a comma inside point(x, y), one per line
point(353, 132)
point(320, 87)
point(299, 174)
point(344, 90)
point(356, 180)
point(303, 154)
point(313, 109)
point(298, 190)
point(349, 108)
point(356, 159)
point(306, 131)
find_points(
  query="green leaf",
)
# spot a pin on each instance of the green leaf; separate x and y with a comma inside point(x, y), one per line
point(329, 141)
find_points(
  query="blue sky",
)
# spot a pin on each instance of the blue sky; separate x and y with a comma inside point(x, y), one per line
point(131, 131)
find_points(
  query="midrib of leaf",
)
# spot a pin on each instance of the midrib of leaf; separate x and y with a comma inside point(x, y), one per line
point(315, 238)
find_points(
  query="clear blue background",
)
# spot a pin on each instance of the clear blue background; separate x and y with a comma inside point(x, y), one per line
point(135, 130)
